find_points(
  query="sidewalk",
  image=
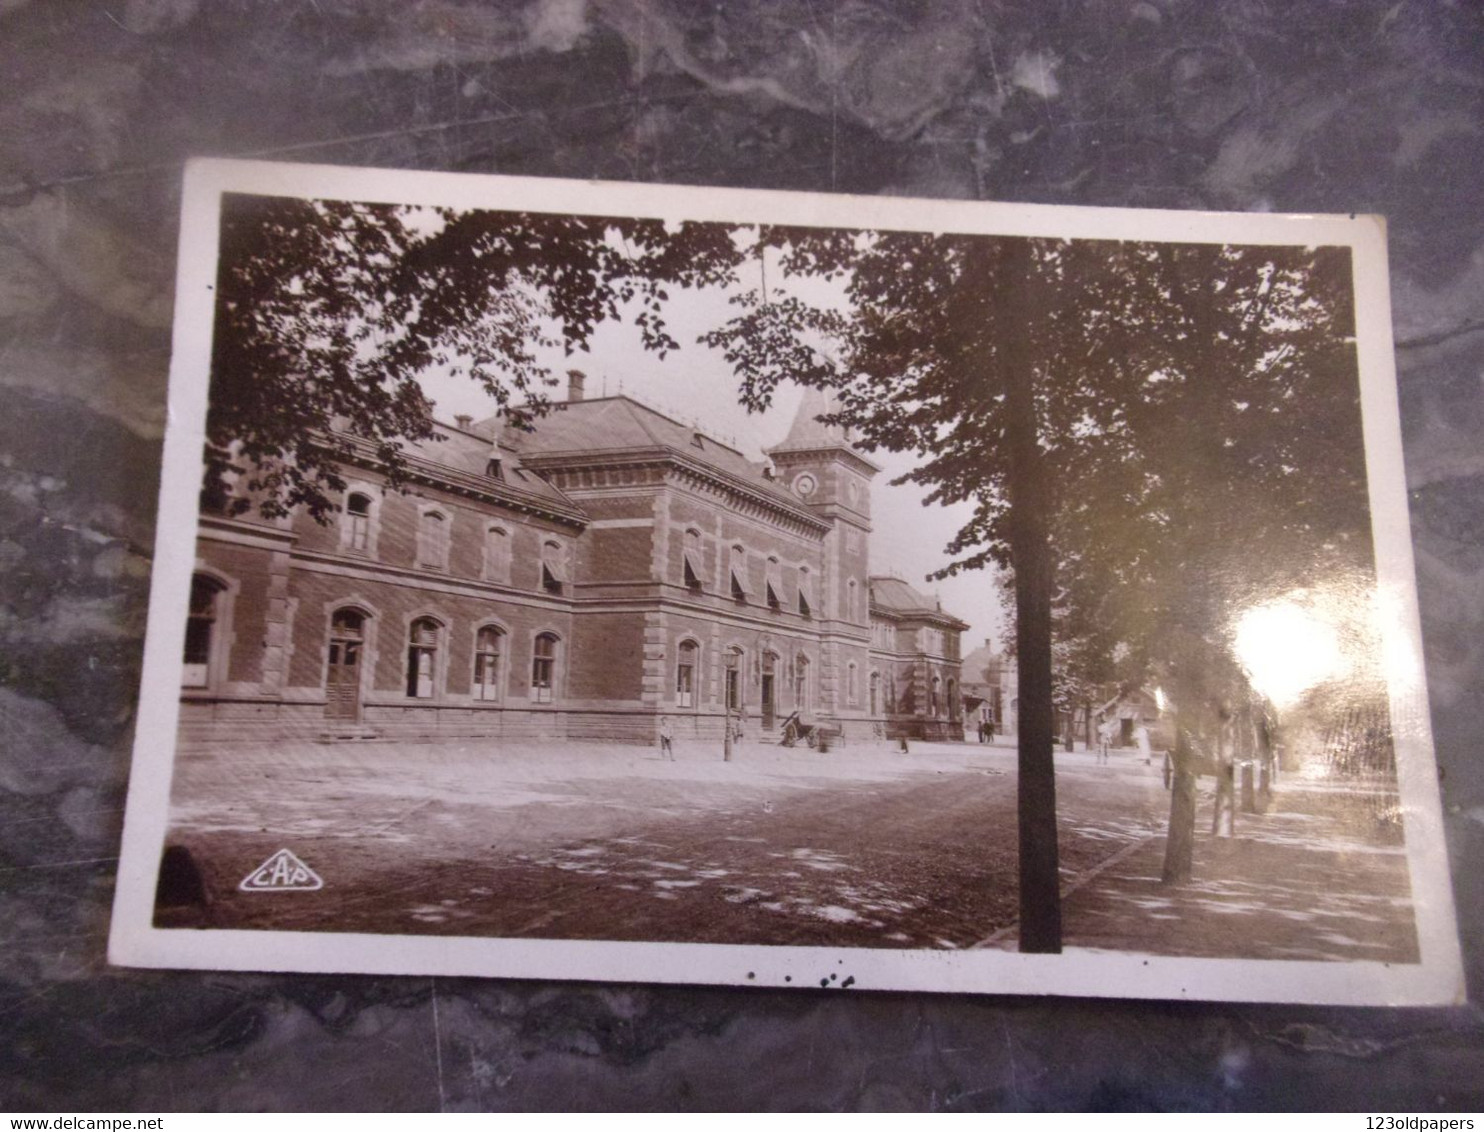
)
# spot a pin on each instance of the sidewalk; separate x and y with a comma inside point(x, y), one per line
point(1313, 878)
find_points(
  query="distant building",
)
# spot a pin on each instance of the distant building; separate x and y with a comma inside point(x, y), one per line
point(575, 582)
point(991, 690)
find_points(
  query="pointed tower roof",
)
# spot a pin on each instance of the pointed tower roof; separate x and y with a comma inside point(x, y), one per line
point(809, 434)
point(808, 431)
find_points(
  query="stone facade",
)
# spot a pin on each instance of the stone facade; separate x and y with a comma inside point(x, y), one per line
point(577, 582)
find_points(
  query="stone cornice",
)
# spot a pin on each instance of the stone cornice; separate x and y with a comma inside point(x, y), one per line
point(225, 529)
point(578, 469)
point(781, 455)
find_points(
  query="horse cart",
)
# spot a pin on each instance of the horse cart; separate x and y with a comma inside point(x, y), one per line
point(818, 736)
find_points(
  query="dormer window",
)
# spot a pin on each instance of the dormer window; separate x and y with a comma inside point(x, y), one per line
point(697, 441)
point(494, 468)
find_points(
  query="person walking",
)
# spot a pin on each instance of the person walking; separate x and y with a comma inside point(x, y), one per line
point(667, 750)
point(1141, 740)
point(1105, 738)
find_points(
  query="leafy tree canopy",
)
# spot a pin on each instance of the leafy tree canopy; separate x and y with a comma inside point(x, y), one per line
point(329, 312)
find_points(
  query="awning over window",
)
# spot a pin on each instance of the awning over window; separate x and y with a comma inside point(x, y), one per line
point(693, 573)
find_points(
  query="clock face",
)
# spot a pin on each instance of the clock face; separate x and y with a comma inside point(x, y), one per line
point(805, 485)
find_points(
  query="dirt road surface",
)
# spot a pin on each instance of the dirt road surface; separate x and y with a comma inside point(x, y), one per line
point(861, 847)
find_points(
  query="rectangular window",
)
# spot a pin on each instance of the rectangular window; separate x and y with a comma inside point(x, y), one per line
point(543, 669)
point(432, 541)
point(553, 567)
point(773, 586)
point(740, 589)
point(420, 673)
point(197, 652)
point(422, 655)
point(692, 569)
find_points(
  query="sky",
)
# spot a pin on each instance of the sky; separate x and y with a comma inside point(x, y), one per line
point(696, 385)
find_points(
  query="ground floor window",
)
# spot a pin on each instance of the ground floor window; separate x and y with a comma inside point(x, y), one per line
point(734, 680)
point(422, 658)
point(543, 668)
point(801, 683)
point(201, 630)
point(685, 675)
point(488, 647)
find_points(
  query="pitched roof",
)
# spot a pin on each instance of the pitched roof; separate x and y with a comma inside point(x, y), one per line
point(808, 433)
point(977, 664)
point(620, 424)
point(896, 596)
point(468, 452)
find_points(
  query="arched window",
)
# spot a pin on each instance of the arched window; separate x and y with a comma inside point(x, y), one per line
point(852, 690)
point(423, 639)
point(734, 678)
point(432, 540)
point(489, 646)
point(343, 664)
point(952, 699)
point(543, 667)
point(202, 631)
point(933, 695)
point(553, 566)
point(358, 522)
point(801, 682)
point(497, 554)
point(685, 675)
point(850, 601)
point(891, 694)
point(874, 684)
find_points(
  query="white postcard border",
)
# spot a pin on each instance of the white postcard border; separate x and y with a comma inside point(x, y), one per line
point(134, 941)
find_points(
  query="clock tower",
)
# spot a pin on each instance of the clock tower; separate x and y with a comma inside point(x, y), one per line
point(818, 464)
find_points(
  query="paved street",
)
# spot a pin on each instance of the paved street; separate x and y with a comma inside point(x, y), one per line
point(861, 847)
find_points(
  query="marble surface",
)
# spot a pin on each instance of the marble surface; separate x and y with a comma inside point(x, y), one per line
point(1368, 106)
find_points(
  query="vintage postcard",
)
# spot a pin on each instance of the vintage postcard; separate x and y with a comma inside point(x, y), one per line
point(626, 582)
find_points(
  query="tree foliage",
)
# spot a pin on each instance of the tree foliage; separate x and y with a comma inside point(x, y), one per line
point(328, 313)
point(1150, 435)
point(1153, 437)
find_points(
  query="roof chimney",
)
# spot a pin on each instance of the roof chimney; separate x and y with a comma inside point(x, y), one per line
point(576, 384)
point(463, 420)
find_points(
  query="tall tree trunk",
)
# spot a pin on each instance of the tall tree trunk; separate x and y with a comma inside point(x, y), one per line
point(1249, 788)
point(1030, 547)
point(1180, 840)
point(1224, 813)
